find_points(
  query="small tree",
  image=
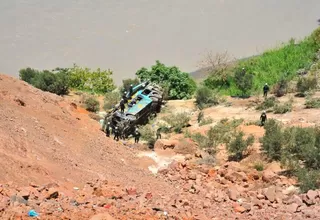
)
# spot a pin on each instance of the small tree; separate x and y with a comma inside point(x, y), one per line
point(92, 104)
point(218, 67)
point(238, 145)
point(244, 81)
point(272, 140)
point(179, 84)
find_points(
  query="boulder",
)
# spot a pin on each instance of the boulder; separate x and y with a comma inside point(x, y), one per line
point(268, 176)
point(163, 144)
point(312, 195)
point(270, 193)
point(52, 194)
point(233, 193)
point(236, 176)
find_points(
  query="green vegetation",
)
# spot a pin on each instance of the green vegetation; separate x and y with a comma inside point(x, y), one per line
point(243, 81)
point(270, 67)
point(206, 121)
point(297, 148)
point(127, 82)
point(96, 81)
point(222, 133)
point(92, 104)
point(50, 81)
point(60, 80)
point(178, 121)
point(258, 166)
point(178, 84)
point(148, 134)
point(111, 99)
point(306, 84)
point(313, 103)
point(268, 103)
point(206, 97)
point(238, 145)
point(283, 108)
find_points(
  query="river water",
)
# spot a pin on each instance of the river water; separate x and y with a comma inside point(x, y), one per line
point(126, 35)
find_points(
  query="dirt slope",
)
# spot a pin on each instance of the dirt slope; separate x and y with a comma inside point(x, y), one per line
point(44, 138)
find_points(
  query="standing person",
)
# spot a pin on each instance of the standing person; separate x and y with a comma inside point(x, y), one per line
point(116, 134)
point(263, 118)
point(158, 133)
point(136, 136)
point(124, 97)
point(130, 90)
point(265, 90)
point(122, 106)
point(108, 129)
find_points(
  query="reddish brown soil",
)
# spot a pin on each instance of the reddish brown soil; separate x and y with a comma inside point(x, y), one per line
point(46, 139)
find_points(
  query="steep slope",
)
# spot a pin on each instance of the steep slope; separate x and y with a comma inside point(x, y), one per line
point(45, 138)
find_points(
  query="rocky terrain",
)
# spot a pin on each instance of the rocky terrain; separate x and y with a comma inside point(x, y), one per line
point(55, 161)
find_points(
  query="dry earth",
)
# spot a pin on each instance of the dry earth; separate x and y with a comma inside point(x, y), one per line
point(55, 160)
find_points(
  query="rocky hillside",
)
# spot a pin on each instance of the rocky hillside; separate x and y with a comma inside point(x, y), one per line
point(55, 161)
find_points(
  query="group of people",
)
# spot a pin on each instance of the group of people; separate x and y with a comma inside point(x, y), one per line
point(118, 134)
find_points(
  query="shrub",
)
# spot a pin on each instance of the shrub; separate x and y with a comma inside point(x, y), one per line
point(272, 140)
point(85, 79)
point(206, 121)
point(28, 74)
point(283, 108)
point(268, 103)
point(179, 84)
point(202, 140)
point(111, 99)
point(305, 84)
point(92, 104)
point(298, 149)
point(243, 81)
point(287, 58)
point(207, 160)
point(259, 166)
point(127, 82)
point(313, 103)
point(308, 179)
point(51, 82)
point(206, 97)
point(178, 121)
point(238, 145)
point(148, 134)
point(200, 116)
point(280, 89)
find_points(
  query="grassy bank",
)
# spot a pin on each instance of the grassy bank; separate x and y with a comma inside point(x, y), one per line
point(272, 65)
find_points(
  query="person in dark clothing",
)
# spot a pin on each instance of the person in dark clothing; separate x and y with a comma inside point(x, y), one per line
point(158, 133)
point(130, 90)
point(124, 97)
point(263, 118)
point(122, 106)
point(265, 90)
point(116, 134)
point(136, 136)
point(108, 129)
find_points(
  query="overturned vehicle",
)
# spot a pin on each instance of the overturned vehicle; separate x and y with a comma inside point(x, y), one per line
point(143, 101)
